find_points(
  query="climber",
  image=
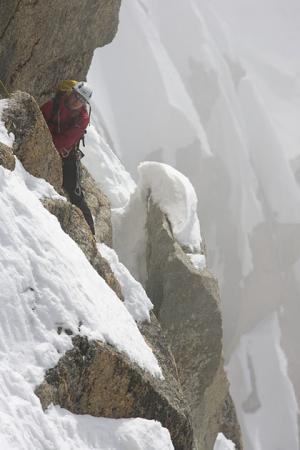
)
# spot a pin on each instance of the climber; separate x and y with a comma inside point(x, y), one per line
point(67, 118)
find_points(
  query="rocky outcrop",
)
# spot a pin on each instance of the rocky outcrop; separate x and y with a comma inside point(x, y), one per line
point(33, 144)
point(44, 42)
point(94, 378)
point(7, 159)
point(186, 302)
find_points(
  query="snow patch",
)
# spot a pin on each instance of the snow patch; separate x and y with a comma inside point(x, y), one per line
point(5, 138)
point(135, 298)
point(198, 260)
point(223, 444)
point(38, 186)
point(86, 432)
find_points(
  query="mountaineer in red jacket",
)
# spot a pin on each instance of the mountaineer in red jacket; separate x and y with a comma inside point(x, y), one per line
point(67, 118)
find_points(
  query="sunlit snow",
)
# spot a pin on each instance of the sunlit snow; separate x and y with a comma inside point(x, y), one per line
point(46, 282)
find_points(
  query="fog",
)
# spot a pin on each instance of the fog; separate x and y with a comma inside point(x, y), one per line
point(213, 89)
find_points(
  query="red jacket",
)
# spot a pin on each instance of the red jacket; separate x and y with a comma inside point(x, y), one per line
point(67, 126)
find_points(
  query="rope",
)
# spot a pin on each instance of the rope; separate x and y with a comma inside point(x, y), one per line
point(4, 89)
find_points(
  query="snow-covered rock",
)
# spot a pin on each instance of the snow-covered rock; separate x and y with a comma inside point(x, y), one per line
point(48, 285)
point(175, 195)
point(107, 434)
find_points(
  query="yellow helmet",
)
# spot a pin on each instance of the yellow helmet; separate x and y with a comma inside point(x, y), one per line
point(67, 86)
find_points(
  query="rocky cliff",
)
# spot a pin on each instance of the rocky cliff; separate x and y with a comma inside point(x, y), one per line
point(187, 304)
point(44, 42)
point(192, 398)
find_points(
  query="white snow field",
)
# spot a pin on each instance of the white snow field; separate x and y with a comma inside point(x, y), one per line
point(212, 88)
point(136, 300)
point(46, 282)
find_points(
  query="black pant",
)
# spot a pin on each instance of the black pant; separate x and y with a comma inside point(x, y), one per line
point(72, 184)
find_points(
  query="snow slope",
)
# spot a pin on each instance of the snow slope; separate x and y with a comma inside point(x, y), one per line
point(46, 282)
point(135, 298)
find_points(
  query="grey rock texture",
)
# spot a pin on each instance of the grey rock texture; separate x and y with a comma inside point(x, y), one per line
point(73, 223)
point(94, 378)
point(186, 302)
point(100, 208)
point(229, 422)
point(7, 159)
point(216, 412)
point(33, 144)
point(42, 42)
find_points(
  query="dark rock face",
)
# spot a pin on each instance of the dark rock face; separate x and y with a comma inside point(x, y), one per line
point(186, 302)
point(7, 159)
point(33, 144)
point(94, 378)
point(44, 42)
